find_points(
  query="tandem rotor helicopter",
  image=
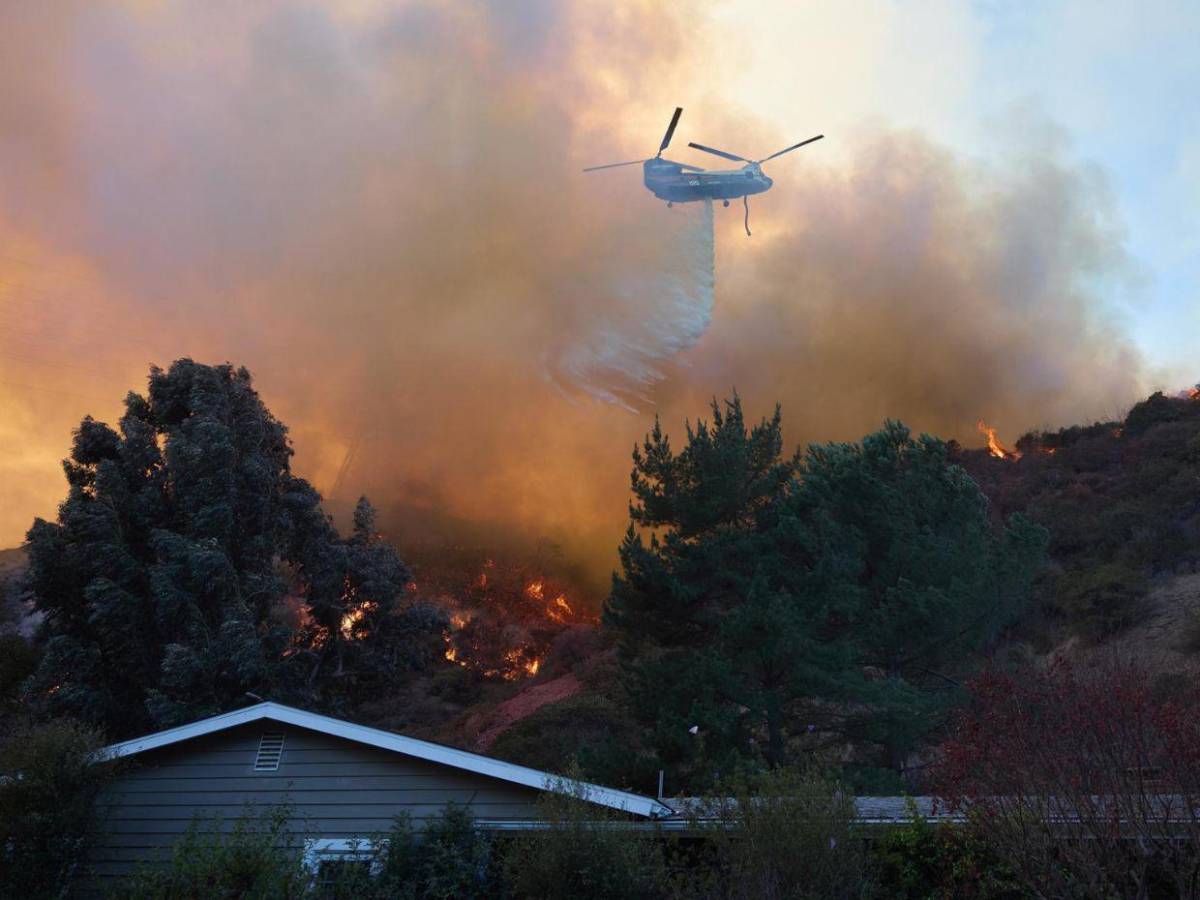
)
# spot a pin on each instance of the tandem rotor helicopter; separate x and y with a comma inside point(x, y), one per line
point(682, 183)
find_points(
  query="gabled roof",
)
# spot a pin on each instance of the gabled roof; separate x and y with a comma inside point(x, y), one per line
point(386, 740)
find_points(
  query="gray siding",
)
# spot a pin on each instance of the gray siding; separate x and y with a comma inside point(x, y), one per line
point(336, 789)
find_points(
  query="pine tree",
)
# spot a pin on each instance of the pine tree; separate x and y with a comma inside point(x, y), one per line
point(839, 591)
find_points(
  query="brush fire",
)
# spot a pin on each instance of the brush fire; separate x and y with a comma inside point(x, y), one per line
point(995, 447)
point(502, 620)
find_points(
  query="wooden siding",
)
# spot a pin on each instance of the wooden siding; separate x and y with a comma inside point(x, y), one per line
point(335, 789)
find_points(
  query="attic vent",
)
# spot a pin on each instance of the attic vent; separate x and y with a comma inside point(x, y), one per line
point(270, 749)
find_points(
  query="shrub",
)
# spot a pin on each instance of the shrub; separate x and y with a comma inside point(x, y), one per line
point(1085, 783)
point(261, 859)
point(787, 834)
point(587, 851)
point(257, 860)
point(1101, 600)
point(48, 785)
point(922, 861)
point(450, 859)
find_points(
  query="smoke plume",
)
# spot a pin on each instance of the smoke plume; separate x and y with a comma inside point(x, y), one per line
point(379, 210)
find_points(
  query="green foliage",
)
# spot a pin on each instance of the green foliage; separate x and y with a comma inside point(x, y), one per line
point(1118, 499)
point(1102, 599)
point(449, 859)
point(255, 860)
point(587, 729)
point(47, 788)
point(777, 596)
point(260, 858)
point(1154, 410)
point(587, 851)
point(181, 535)
point(785, 834)
point(922, 861)
point(18, 660)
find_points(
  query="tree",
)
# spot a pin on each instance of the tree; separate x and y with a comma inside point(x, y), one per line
point(890, 549)
point(48, 782)
point(1086, 783)
point(839, 592)
point(689, 604)
point(161, 578)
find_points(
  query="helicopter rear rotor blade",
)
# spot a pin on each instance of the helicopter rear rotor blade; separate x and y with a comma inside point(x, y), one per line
point(722, 153)
point(670, 130)
point(791, 148)
point(632, 162)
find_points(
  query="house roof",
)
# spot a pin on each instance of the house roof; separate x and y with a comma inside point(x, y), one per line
point(398, 743)
point(867, 810)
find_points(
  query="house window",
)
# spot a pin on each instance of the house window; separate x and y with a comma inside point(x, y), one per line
point(339, 862)
point(270, 751)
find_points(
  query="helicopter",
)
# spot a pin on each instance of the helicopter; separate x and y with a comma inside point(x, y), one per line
point(678, 182)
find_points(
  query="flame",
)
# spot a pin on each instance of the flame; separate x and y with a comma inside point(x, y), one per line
point(996, 448)
point(561, 610)
point(352, 617)
point(536, 589)
point(532, 666)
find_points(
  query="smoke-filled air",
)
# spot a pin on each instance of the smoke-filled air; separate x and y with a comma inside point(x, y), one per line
point(379, 210)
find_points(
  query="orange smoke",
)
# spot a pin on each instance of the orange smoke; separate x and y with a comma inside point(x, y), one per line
point(380, 213)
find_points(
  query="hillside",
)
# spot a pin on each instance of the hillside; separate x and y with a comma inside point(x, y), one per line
point(529, 676)
point(1120, 501)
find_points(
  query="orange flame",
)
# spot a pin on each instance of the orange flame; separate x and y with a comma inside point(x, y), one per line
point(352, 617)
point(995, 447)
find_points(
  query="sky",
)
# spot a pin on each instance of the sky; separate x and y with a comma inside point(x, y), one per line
point(378, 208)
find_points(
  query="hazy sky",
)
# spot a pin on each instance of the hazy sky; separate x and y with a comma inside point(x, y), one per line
point(377, 207)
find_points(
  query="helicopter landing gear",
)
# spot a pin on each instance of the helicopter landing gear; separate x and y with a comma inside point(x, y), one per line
point(725, 203)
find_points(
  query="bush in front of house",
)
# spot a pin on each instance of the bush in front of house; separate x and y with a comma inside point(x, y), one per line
point(786, 833)
point(261, 858)
point(923, 861)
point(47, 788)
point(449, 860)
point(586, 851)
point(249, 862)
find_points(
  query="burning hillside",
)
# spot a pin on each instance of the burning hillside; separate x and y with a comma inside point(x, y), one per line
point(504, 614)
point(1118, 499)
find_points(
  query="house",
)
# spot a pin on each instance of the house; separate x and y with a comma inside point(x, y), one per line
point(342, 784)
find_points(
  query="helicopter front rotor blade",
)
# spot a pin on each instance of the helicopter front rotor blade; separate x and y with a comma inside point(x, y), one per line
point(632, 162)
point(722, 153)
point(670, 130)
point(791, 148)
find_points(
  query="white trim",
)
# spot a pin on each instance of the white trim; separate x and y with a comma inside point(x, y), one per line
point(386, 740)
point(319, 850)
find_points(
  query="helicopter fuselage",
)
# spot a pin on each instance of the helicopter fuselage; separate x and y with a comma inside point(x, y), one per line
point(669, 181)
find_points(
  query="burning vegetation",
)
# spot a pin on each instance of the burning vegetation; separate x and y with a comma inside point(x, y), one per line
point(503, 619)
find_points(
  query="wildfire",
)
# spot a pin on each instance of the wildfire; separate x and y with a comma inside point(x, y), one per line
point(995, 447)
point(351, 619)
point(557, 610)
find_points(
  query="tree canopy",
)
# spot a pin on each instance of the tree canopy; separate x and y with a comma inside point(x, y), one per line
point(783, 600)
point(184, 546)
